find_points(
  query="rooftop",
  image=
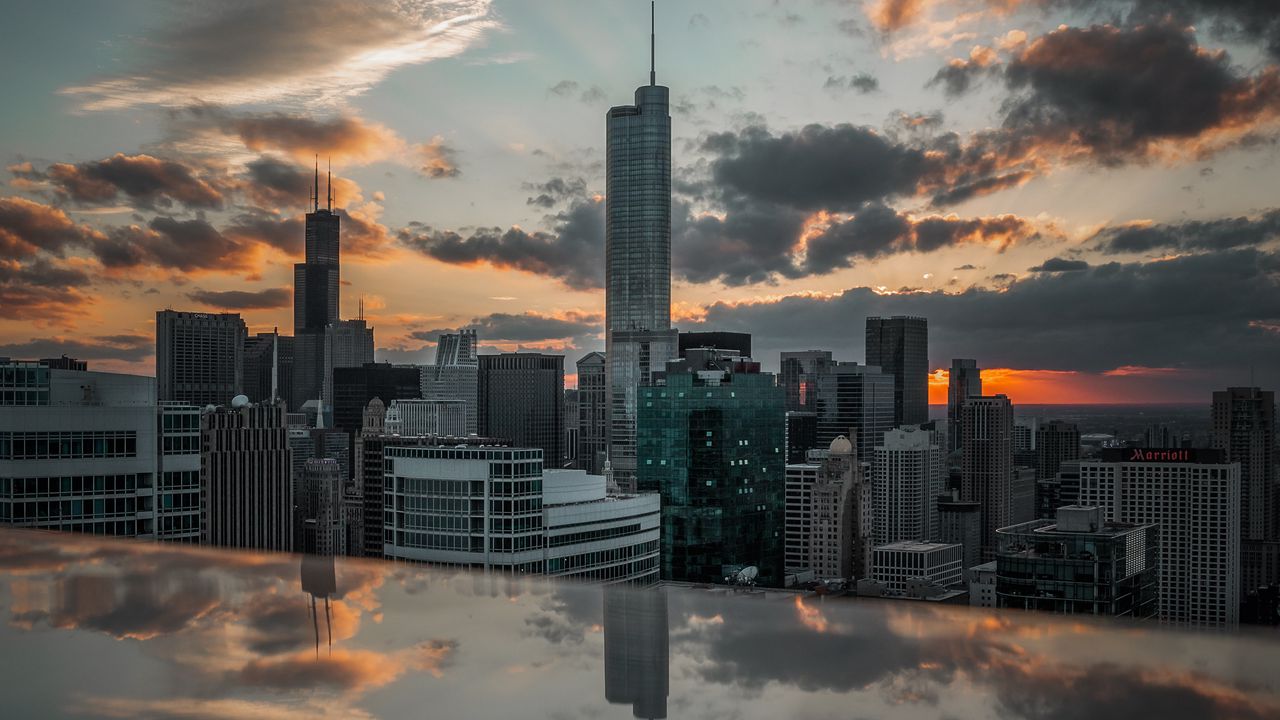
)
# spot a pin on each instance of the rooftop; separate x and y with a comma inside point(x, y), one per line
point(119, 629)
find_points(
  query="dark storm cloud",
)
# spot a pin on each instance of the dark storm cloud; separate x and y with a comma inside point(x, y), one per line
point(1192, 235)
point(1150, 314)
point(816, 168)
point(1254, 21)
point(244, 299)
point(188, 245)
point(143, 180)
point(525, 327)
point(573, 251)
point(758, 242)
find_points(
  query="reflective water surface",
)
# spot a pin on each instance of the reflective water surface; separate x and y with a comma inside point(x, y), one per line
point(114, 629)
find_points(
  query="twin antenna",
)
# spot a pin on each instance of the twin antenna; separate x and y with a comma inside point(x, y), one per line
point(315, 196)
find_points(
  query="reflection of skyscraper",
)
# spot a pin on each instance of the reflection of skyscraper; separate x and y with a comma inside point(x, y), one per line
point(638, 335)
point(636, 652)
point(320, 580)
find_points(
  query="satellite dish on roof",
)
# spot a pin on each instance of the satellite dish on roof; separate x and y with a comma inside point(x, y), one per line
point(240, 401)
point(745, 576)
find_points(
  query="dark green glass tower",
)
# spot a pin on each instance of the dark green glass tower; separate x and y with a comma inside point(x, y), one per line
point(711, 443)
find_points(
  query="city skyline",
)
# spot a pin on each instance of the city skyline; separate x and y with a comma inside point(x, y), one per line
point(145, 170)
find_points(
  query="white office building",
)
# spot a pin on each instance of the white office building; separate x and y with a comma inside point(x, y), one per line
point(93, 452)
point(414, 418)
point(907, 478)
point(895, 564)
point(495, 508)
point(827, 521)
point(1194, 499)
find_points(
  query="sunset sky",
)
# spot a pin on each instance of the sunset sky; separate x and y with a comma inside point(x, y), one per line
point(1082, 196)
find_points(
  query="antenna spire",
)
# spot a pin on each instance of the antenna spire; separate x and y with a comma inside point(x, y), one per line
point(329, 184)
point(316, 190)
point(653, 77)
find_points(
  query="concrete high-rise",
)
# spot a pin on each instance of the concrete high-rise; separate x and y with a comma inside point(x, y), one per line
point(960, 522)
point(521, 400)
point(455, 373)
point(638, 334)
point(710, 441)
point(828, 514)
point(1056, 442)
point(322, 530)
point(1244, 429)
point(593, 437)
point(316, 283)
point(246, 478)
point(899, 346)
point(907, 478)
point(1193, 497)
point(964, 381)
point(199, 357)
point(427, 417)
point(986, 463)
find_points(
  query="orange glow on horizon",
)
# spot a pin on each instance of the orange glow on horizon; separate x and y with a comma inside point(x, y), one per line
point(1128, 384)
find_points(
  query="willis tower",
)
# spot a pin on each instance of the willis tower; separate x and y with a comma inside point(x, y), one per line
point(315, 297)
point(639, 338)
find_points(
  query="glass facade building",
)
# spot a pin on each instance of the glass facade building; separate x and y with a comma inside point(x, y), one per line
point(638, 335)
point(1079, 565)
point(712, 444)
point(899, 346)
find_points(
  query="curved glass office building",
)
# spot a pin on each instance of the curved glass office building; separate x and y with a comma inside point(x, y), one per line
point(638, 336)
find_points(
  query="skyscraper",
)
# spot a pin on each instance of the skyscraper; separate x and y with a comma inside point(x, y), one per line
point(427, 417)
point(987, 463)
point(323, 530)
point(964, 381)
point(522, 401)
point(316, 283)
point(798, 375)
point(593, 438)
point(453, 376)
point(1056, 442)
point(899, 346)
point(827, 525)
point(1193, 497)
point(907, 478)
point(246, 478)
point(710, 440)
point(347, 343)
point(1244, 428)
point(354, 387)
point(199, 357)
point(638, 334)
point(856, 401)
point(268, 367)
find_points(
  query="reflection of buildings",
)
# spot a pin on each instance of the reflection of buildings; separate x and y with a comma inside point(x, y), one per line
point(636, 652)
point(320, 580)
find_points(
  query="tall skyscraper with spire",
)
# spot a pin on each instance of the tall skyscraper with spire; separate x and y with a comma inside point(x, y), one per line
point(638, 335)
point(315, 296)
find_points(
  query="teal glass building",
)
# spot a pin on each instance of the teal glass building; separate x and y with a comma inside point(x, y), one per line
point(712, 443)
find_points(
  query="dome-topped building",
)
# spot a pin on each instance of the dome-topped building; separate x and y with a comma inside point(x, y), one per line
point(841, 446)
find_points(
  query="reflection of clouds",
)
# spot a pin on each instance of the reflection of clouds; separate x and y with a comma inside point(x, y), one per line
point(213, 709)
point(353, 671)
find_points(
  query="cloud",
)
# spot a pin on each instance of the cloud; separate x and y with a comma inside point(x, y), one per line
point(267, 299)
point(573, 251)
point(188, 245)
point(248, 53)
point(556, 190)
point(126, 348)
point(529, 327)
point(862, 83)
point(27, 227)
point(145, 181)
point(1058, 264)
point(572, 89)
point(1191, 235)
point(891, 15)
point(1052, 320)
point(43, 291)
